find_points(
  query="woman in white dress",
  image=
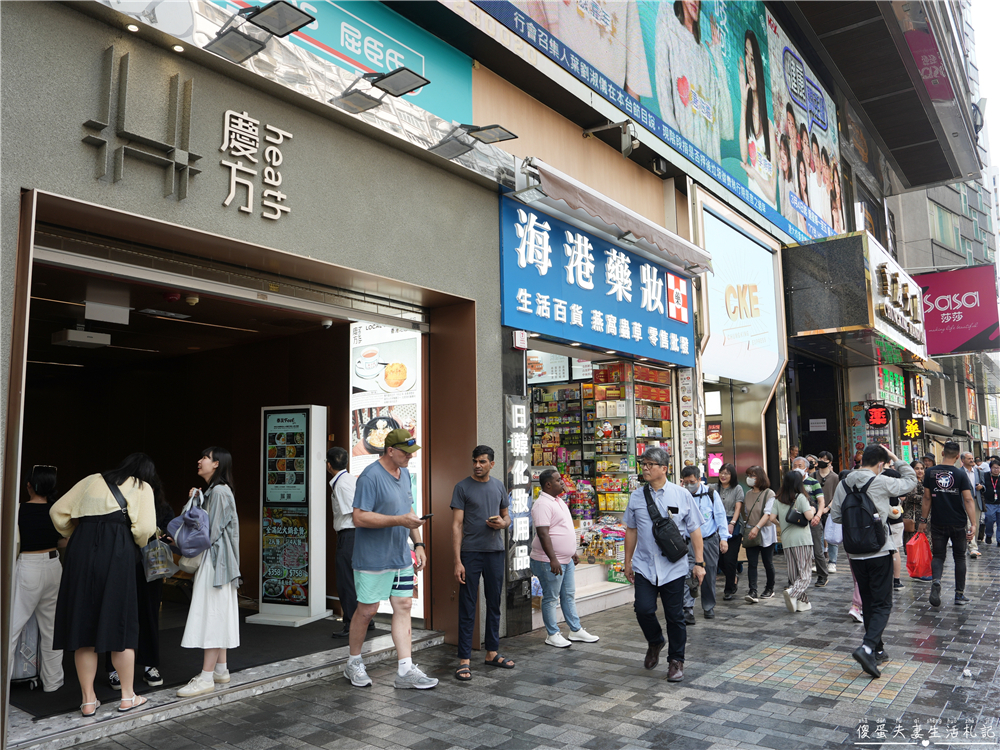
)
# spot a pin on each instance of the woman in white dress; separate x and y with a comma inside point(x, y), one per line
point(213, 622)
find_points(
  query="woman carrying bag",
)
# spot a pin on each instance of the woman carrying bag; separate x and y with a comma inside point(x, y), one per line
point(213, 622)
point(732, 500)
point(759, 535)
point(794, 514)
point(97, 608)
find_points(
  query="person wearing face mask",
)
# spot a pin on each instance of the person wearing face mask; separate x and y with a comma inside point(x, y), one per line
point(991, 499)
point(715, 539)
point(759, 533)
point(827, 477)
point(814, 493)
point(873, 570)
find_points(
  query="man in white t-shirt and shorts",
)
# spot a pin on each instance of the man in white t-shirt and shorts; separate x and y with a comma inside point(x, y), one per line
point(383, 566)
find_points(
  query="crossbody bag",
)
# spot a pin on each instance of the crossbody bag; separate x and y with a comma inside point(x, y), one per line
point(665, 532)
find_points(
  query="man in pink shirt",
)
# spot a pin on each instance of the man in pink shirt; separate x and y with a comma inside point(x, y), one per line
point(554, 559)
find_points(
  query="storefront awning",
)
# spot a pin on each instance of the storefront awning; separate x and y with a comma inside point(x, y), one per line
point(933, 428)
point(558, 187)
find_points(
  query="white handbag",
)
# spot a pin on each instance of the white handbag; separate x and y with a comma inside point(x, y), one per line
point(190, 564)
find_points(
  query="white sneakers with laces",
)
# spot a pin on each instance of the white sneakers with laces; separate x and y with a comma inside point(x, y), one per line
point(583, 635)
point(357, 674)
point(195, 687)
point(557, 640)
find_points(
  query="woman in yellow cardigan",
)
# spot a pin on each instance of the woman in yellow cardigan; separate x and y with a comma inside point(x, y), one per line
point(97, 609)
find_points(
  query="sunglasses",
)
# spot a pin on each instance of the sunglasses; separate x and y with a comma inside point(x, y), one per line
point(409, 444)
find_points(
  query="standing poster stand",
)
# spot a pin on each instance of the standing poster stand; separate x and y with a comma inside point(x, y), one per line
point(292, 516)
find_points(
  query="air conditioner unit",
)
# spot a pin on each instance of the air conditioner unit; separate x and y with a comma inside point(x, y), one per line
point(82, 339)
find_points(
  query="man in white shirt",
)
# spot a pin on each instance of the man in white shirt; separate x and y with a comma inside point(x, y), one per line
point(342, 501)
point(976, 480)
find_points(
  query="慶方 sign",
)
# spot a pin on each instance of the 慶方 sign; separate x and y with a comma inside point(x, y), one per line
point(561, 282)
point(960, 310)
point(720, 83)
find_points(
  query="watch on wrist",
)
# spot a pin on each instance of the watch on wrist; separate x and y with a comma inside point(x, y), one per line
point(700, 564)
point(419, 544)
point(924, 520)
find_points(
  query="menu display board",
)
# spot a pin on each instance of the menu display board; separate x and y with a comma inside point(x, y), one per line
point(285, 555)
point(286, 447)
point(685, 383)
point(543, 367)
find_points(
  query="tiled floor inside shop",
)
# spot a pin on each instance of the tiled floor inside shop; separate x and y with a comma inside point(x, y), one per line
point(755, 676)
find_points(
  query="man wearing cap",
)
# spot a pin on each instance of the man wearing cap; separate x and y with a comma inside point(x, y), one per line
point(383, 567)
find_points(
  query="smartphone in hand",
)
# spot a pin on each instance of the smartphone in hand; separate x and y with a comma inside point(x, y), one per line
point(424, 518)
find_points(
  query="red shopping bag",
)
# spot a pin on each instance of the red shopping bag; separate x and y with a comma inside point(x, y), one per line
point(918, 556)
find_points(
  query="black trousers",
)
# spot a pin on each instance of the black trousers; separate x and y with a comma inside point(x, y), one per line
point(767, 554)
point(874, 579)
point(345, 574)
point(940, 535)
point(672, 596)
point(729, 562)
point(490, 566)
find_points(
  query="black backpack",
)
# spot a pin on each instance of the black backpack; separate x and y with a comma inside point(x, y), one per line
point(864, 531)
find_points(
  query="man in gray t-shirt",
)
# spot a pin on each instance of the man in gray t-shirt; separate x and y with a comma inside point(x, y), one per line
point(479, 516)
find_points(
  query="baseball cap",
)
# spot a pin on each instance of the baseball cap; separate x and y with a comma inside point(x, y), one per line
point(402, 440)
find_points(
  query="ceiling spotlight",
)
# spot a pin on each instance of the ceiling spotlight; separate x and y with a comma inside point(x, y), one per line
point(279, 18)
point(610, 351)
point(397, 83)
point(574, 344)
point(178, 48)
point(132, 27)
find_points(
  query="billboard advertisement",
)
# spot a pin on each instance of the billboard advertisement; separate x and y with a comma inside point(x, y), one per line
point(719, 82)
point(960, 310)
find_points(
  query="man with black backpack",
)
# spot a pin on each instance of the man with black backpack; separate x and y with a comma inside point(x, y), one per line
point(861, 504)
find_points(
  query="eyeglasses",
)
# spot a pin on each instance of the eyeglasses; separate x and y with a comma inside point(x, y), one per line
point(648, 464)
point(409, 444)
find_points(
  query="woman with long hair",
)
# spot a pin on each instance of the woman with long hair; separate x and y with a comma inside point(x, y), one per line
point(755, 137)
point(732, 500)
point(912, 503)
point(97, 609)
point(786, 175)
point(213, 622)
point(796, 541)
point(759, 534)
point(37, 574)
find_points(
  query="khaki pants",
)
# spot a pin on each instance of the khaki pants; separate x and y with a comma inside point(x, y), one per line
point(36, 589)
point(973, 545)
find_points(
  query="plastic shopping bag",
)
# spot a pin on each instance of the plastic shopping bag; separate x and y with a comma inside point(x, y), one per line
point(157, 561)
point(834, 532)
point(918, 556)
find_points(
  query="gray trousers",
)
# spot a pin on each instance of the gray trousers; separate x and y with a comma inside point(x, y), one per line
point(822, 572)
point(710, 548)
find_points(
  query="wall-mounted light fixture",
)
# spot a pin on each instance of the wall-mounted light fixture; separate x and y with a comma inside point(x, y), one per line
point(456, 143)
point(247, 32)
point(396, 82)
point(630, 141)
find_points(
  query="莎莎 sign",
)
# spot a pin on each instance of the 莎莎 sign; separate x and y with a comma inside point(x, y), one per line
point(960, 310)
point(561, 282)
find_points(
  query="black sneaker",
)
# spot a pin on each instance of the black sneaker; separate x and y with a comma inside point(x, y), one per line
point(751, 597)
point(114, 681)
point(729, 596)
point(989, 540)
point(689, 617)
point(153, 677)
point(961, 599)
point(881, 657)
point(897, 584)
point(935, 597)
point(867, 661)
point(768, 594)
point(821, 584)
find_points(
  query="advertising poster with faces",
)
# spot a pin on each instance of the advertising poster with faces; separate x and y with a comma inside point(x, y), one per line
point(713, 79)
point(385, 395)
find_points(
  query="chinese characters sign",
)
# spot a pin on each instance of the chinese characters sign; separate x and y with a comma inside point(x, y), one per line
point(877, 416)
point(913, 428)
point(285, 556)
point(960, 310)
point(519, 486)
point(890, 386)
point(241, 140)
point(561, 282)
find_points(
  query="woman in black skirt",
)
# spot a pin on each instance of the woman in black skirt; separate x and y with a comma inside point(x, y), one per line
point(97, 608)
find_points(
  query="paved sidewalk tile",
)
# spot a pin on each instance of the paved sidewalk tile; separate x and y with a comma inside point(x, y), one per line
point(754, 677)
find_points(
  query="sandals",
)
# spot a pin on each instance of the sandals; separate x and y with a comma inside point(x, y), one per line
point(95, 704)
point(463, 673)
point(137, 700)
point(500, 661)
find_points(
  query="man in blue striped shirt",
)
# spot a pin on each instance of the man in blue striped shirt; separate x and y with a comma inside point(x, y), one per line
point(714, 532)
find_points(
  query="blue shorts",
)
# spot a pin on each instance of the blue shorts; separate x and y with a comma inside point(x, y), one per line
point(373, 588)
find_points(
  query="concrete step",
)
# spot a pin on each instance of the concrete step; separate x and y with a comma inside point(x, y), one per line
point(592, 598)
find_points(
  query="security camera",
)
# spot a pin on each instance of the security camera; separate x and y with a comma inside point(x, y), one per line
point(327, 323)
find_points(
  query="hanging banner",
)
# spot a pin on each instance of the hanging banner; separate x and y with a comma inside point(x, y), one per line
point(518, 468)
point(719, 82)
point(960, 310)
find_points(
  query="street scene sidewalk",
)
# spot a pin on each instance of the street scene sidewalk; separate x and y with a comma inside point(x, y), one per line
point(755, 676)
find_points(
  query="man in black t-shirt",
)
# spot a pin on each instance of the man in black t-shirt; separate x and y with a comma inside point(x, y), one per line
point(948, 498)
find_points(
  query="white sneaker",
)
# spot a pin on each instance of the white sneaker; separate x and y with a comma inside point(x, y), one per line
point(558, 641)
point(222, 678)
point(814, 567)
point(415, 679)
point(855, 614)
point(357, 674)
point(790, 603)
point(583, 635)
point(196, 686)
point(801, 606)
point(832, 567)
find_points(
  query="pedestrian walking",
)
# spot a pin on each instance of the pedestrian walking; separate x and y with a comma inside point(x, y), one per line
point(759, 533)
point(895, 523)
point(732, 500)
point(97, 610)
point(714, 537)
point(554, 560)
point(873, 570)
point(383, 564)
point(912, 502)
point(652, 573)
point(991, 502)
point(37, 573)
point(796, 540)
point(829, 479)
point(949, 502)
point(479, 516)
point(342, 488)
point(213, 621)
point(977, 480)
point(816, 499)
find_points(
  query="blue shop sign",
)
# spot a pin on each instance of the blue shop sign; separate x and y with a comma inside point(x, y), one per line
point(564, 283)
point(364, 36)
